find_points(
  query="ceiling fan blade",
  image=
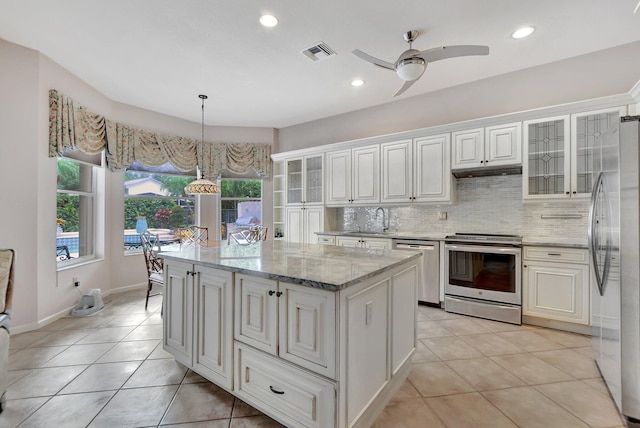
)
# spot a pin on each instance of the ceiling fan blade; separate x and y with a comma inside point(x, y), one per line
point(444, 52)
point(373, 60)
point(406, 86)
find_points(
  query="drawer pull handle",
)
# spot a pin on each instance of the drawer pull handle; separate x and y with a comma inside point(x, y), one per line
point(275, 391)
point(554, 254)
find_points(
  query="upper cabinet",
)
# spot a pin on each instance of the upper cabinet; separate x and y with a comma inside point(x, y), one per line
point(486, 147)
point(304, 180)
point(558, 154)
point(416, 170)
point(353, 176)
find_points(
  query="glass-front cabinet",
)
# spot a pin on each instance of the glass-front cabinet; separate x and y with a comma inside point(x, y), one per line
point(558, 153)
point(304, 180)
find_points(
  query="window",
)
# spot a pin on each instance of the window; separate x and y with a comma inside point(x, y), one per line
point(76, 202)
point(239, 199)
point(154, 198)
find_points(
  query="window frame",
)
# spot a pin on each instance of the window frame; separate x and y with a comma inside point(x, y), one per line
point(93, 197)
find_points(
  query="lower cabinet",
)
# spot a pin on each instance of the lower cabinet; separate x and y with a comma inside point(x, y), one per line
point(198, 315)
point(556, 284)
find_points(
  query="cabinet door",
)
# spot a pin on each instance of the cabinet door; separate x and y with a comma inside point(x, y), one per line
point(397, 173)
point(256, 312)
point(587, 130)
point(295, 225)
point(503, 145)
point(366, 342)
point(307, 327)
point(432, 169)
point(366, 175)
point(468, 149)
point(348, 241)
point(556, 291)
point(403, 334)
point(380, 244)
point(313, 222)
point(313, 179)
point(547, 159)
point(178, 311)
point(213, 347)
point(294, 181)
point(339, 177)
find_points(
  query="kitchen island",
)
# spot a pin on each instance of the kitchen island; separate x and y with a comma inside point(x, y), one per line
point(311, 335)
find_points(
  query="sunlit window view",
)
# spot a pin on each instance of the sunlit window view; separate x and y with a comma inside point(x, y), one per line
point(75, 230)
point(240, 205)
point(155, 200)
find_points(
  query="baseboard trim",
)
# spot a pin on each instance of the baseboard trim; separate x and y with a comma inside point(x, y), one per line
point(64, 312)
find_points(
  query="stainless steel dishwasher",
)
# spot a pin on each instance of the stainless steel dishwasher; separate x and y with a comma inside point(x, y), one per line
point(429, 285)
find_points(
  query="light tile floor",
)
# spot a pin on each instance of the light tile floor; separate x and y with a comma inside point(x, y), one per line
point(109, 370)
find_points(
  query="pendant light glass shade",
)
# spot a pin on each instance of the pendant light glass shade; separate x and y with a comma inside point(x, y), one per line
point(202, 186)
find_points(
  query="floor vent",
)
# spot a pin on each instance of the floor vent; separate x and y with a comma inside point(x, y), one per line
point(318, 51)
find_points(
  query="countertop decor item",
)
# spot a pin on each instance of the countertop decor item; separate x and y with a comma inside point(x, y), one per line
point(202, 186)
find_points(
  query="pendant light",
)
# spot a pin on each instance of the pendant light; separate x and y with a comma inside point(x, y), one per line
point(202, 186)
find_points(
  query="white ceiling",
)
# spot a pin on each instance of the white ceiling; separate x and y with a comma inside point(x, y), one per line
point(160, 54)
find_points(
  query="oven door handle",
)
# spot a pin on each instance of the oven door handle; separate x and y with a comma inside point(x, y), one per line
point(482, 249)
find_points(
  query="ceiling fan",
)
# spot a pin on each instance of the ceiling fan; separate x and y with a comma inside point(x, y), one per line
point(412, 63)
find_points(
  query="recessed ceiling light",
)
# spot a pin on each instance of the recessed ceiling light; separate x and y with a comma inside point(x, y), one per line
point(268, 20)
point(357, 82)
point(523, 32)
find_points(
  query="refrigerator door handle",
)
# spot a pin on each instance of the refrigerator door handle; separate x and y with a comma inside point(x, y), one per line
point(595, 246)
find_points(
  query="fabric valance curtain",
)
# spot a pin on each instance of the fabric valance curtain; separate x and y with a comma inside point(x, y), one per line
point(71, 127)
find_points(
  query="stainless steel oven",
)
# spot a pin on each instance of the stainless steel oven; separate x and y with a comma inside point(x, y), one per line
point(483, 276)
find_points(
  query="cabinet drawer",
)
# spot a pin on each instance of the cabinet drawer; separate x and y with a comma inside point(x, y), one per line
point(292, 395)
point(326, 240)
point(557, 254)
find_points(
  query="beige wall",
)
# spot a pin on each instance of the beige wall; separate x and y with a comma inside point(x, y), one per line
point(27, 217)
point(609, 72)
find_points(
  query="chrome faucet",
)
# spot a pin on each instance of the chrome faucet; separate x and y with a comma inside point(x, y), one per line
point(385, 227)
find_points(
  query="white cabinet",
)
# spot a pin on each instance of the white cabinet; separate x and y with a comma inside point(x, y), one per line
point(297, 397)
point(294, 322)
point(556, 284)
point(558, 153)
point(498, 145)
point(353, 176)
point(303, 223)
point(416, 170)
point(202, 342)
point(279, 200)
point(304, 180)
point(360, 242)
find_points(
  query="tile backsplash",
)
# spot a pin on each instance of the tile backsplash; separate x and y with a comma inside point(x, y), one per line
point(483, 205)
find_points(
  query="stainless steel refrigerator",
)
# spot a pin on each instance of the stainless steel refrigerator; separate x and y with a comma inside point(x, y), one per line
point(614, 243)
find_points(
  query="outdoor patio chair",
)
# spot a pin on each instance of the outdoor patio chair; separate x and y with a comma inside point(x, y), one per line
point(7, 258)
point(249, 236)
point(155, 274)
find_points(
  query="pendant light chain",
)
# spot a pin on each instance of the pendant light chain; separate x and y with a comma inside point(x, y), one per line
point(202, 186)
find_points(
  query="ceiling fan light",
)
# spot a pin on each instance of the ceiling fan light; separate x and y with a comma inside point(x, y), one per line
point(411, 68)
point(357, 82)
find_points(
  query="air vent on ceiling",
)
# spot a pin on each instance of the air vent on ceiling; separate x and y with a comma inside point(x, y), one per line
point(318, 51)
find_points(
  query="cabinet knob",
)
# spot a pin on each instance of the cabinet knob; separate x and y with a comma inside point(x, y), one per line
point(271, 292)
point(574, 192)
point(481, 161)
point(278, 293)
point(486, 161)
point(568, 193)
point(524, 266)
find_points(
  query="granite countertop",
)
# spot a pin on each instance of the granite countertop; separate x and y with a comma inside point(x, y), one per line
point(433, 236)
point(321, 266)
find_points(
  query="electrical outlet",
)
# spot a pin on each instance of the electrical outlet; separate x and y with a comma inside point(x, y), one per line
point(442, 215)
point(75, 282)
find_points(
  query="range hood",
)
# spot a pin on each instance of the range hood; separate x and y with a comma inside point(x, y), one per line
point(485, 171)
